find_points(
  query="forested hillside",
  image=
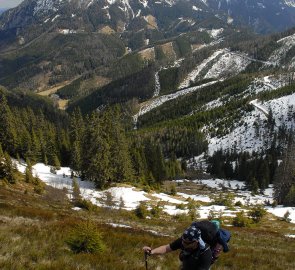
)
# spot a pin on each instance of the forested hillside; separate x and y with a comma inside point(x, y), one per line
point(95, 146)
point(160, 87)
point(119, 117)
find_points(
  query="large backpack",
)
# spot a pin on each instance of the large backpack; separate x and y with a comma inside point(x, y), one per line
point(208, 231)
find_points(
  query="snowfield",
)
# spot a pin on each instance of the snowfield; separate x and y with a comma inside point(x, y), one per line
point(162, 99)
point(248, 136)
point(128, 197)
point(286, 44)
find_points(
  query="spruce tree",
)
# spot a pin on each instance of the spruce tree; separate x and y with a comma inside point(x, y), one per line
point(29, 178)
point(9, 169)
point(284, 177)
point(2, 163)
point(8, 136)
point(1, 152)
point(96, 152)
point(77, 132)
point(119, 146)
point(290, 198)
point(155, 160)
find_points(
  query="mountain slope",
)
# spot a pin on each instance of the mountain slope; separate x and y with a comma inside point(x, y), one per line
point(49, 42)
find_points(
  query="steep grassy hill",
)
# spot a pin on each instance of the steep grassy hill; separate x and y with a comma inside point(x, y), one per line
point(35, 230)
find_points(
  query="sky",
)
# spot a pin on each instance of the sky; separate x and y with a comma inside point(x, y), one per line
point(9, 3)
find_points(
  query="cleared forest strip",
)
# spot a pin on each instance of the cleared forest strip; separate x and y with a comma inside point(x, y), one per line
point(54, 89)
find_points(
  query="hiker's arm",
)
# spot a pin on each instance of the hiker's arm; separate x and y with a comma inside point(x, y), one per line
point(158, 251)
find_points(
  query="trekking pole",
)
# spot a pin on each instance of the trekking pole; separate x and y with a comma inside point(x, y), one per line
point(146, 260)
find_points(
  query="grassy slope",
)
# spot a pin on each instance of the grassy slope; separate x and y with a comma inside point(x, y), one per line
point(34, 228)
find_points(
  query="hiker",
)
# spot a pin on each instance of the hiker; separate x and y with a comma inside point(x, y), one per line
point(200, 245)
point(194, 254)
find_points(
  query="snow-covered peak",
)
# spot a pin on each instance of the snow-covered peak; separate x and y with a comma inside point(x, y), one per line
point(290, 3)
point(45, 5)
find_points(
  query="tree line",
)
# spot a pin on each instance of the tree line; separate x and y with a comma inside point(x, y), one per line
point(96, 146)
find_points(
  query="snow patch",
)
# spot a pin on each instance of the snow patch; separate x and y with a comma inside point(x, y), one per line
point(131, 197)
point(248, 136)
point(55, 18)
point(162, 99)
point(230, 62)
point(144, 3)
point(196, 9)
point(67, 31)
point(192, 76)
point(290, 3)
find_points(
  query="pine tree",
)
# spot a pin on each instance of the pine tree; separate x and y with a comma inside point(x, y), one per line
point(254, 185)
point(29, 178)
point(285, 174)
point(1, 152)
point(263, 174)
point(139, 162)
point(9, 169)
point(96, 152)
point(155, 160)
point(56, 162)
point(77, 132)
point(119, 146)
point(290, 198)
point(2, 163)
point(7, 128)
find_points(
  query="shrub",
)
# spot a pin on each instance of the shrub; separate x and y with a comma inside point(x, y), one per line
point(122, 203)
point(192, 204)
point(225, 199)
point(76, 191)
point(147, 189)
point(193, 214)
point(172, 189)
point(257, 213)
point(287, 216)
point(84, 204)
point(53, 170)
point(141, 210)
point(241, 220)
point(85, 238)
point(109, 199)
point(212, 214)
point(181, 206)
point(29, 178)
point(39, 186)
point(239, 204)
point(156, 210)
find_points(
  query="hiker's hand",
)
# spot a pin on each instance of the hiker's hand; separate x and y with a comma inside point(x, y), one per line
point(147, 250)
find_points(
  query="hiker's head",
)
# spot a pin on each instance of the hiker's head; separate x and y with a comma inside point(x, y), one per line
point(188, 245)
point(191, 237)
point(223, 237)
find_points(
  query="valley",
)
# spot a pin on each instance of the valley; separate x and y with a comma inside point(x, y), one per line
point(123, 121)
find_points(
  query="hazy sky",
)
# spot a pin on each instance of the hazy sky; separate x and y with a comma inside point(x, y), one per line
point(9, 3)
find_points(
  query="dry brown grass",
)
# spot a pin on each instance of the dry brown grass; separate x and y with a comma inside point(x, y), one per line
point(63, 103)
point(152, 22)
point(54, 89)
point(34, 229)
point(106, 30)
point(96, 81)
point(168, 50)
point(148, 54)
